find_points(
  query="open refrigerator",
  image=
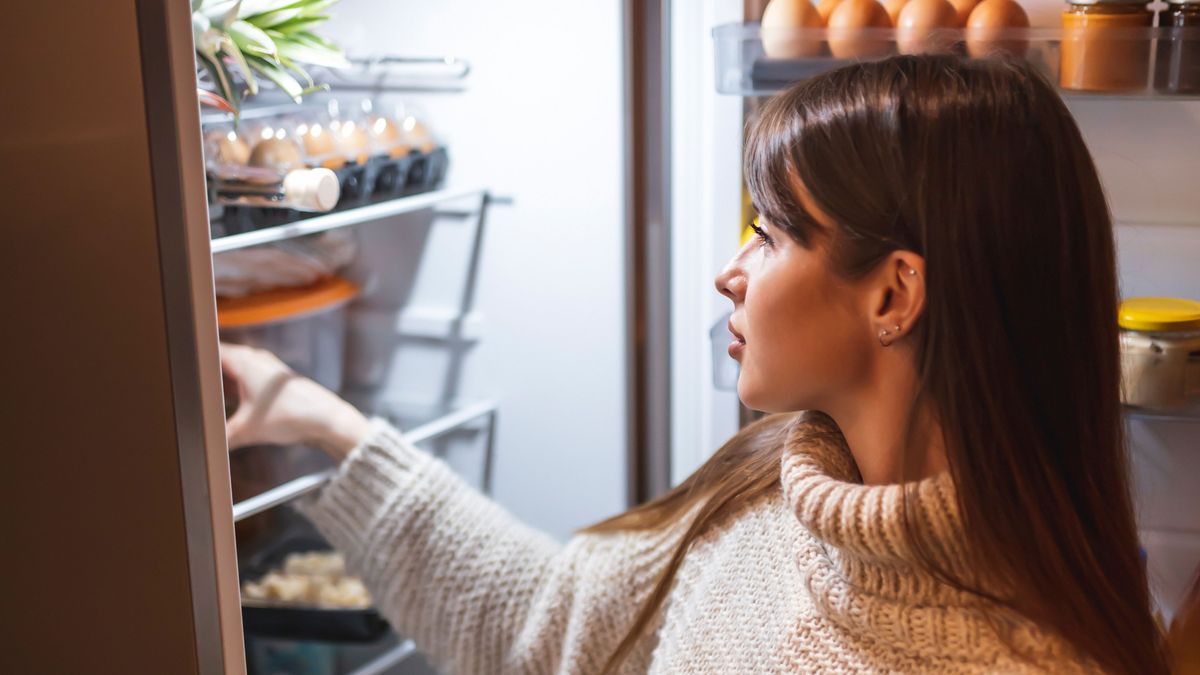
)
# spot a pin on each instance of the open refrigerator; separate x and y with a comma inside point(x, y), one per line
point(592, 193)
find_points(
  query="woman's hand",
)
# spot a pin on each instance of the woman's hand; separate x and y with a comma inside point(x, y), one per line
point(279, 407)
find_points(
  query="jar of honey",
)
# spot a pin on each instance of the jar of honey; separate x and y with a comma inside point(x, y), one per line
point(1177, 68)
point(1105, 45)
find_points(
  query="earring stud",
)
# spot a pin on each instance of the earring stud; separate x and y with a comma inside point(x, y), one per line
point(911, 272)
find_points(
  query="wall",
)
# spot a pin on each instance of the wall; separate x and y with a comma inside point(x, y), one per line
point(541, 121)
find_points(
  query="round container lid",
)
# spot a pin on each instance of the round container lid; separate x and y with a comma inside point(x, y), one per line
point(1169, 315)
point(282, 304)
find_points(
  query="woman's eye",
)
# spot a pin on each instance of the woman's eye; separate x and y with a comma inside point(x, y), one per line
point(763, 237)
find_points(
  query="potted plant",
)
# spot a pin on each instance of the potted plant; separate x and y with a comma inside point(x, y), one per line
point(261, 38)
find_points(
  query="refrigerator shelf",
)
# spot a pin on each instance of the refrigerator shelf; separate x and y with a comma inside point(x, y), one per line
point(303, 485)
point(385, 661)
point(1161, 64)
point(347, 218)
point(1143, 415)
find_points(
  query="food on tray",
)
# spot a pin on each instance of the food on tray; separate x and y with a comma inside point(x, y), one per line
point(313, 578)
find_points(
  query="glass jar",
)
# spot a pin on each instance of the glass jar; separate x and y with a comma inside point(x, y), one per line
point(1105, 45)
point(1160, 353)
point(1177, 68)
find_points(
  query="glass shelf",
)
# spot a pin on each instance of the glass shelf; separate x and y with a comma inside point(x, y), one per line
point(340, 218)
point(1144, 415)
point(743, 67)
point(430, 427)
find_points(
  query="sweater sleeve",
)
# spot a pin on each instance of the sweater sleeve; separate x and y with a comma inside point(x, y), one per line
point(476, 590)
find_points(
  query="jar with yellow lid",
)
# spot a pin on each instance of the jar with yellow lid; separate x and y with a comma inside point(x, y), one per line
point(1160, 353)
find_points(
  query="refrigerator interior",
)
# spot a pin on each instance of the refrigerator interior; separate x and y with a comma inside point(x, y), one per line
point(477, 298)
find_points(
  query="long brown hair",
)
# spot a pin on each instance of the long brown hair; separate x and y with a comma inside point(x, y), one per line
point(977, 166)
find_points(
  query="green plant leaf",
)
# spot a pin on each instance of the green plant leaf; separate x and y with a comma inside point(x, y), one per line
point(229, 46)
point(291, 65)
point(278, 75)
point(316, 40)
point(273, 18)
point(222, 80)
point(299, 24)
point(314, 7)
point(305, 51)
point(251, 39)
point(221, 12)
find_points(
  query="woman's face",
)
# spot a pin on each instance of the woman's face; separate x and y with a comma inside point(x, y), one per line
point(798, 328)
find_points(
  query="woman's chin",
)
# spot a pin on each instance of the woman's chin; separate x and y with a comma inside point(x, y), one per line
point(750, 395)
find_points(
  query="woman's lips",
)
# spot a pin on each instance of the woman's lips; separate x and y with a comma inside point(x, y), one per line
point(735, 348)
point(739, 342)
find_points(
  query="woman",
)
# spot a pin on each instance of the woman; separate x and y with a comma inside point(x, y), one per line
point(934, 271)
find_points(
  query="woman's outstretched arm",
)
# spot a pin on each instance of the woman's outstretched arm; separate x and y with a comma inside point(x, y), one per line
point(477, 590)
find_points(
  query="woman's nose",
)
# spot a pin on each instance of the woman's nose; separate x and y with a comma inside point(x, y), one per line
point(731, 282)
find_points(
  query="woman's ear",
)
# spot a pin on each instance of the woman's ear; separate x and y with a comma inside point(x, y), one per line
point(897, 296)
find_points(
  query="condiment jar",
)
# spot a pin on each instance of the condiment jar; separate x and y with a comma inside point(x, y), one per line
point(1177, 68)
point(1103, 49)
point(1160, 353)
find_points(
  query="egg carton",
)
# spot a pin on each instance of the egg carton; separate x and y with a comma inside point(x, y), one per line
point(380, 178)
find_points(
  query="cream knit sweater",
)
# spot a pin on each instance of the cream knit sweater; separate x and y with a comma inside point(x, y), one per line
point(815, 579)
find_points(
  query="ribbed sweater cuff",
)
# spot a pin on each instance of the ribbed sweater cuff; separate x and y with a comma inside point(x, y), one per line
point(382, 468)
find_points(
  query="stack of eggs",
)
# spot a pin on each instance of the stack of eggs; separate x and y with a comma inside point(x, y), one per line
point(858, 28)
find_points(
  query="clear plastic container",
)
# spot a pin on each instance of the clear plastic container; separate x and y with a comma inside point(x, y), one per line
point(744, 68)
point(305, 327)
point(1160, 353)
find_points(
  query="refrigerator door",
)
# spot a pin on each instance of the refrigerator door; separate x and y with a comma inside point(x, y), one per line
point(118, 527)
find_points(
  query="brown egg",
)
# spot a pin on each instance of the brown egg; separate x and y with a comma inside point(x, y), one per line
point(917, 20)
point(825, 8)
point(418, 135)
point(846, 24)
point(986, 28)
point(388, 137)
point(780, 21)
point(320, 145)
point(227, 147)
point(893, 8)
point(353, 142)
point(962, 10)
point(276, 153)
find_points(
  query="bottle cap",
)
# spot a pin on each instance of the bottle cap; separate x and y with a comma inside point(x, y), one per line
point(312, 189)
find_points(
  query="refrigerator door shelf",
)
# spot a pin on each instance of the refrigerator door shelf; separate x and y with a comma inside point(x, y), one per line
point(1068, 57)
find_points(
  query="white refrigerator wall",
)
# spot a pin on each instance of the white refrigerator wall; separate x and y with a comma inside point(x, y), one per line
point(541, 121)
point(1148, 155)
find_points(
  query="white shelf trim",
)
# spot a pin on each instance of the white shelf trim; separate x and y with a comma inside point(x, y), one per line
point(340, 219)
point(305, 484)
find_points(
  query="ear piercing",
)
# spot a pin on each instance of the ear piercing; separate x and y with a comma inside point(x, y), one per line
point(912, 272)
point(885, 332)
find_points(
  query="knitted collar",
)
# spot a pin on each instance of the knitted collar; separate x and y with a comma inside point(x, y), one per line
point(865, 523)
point(862, 571)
